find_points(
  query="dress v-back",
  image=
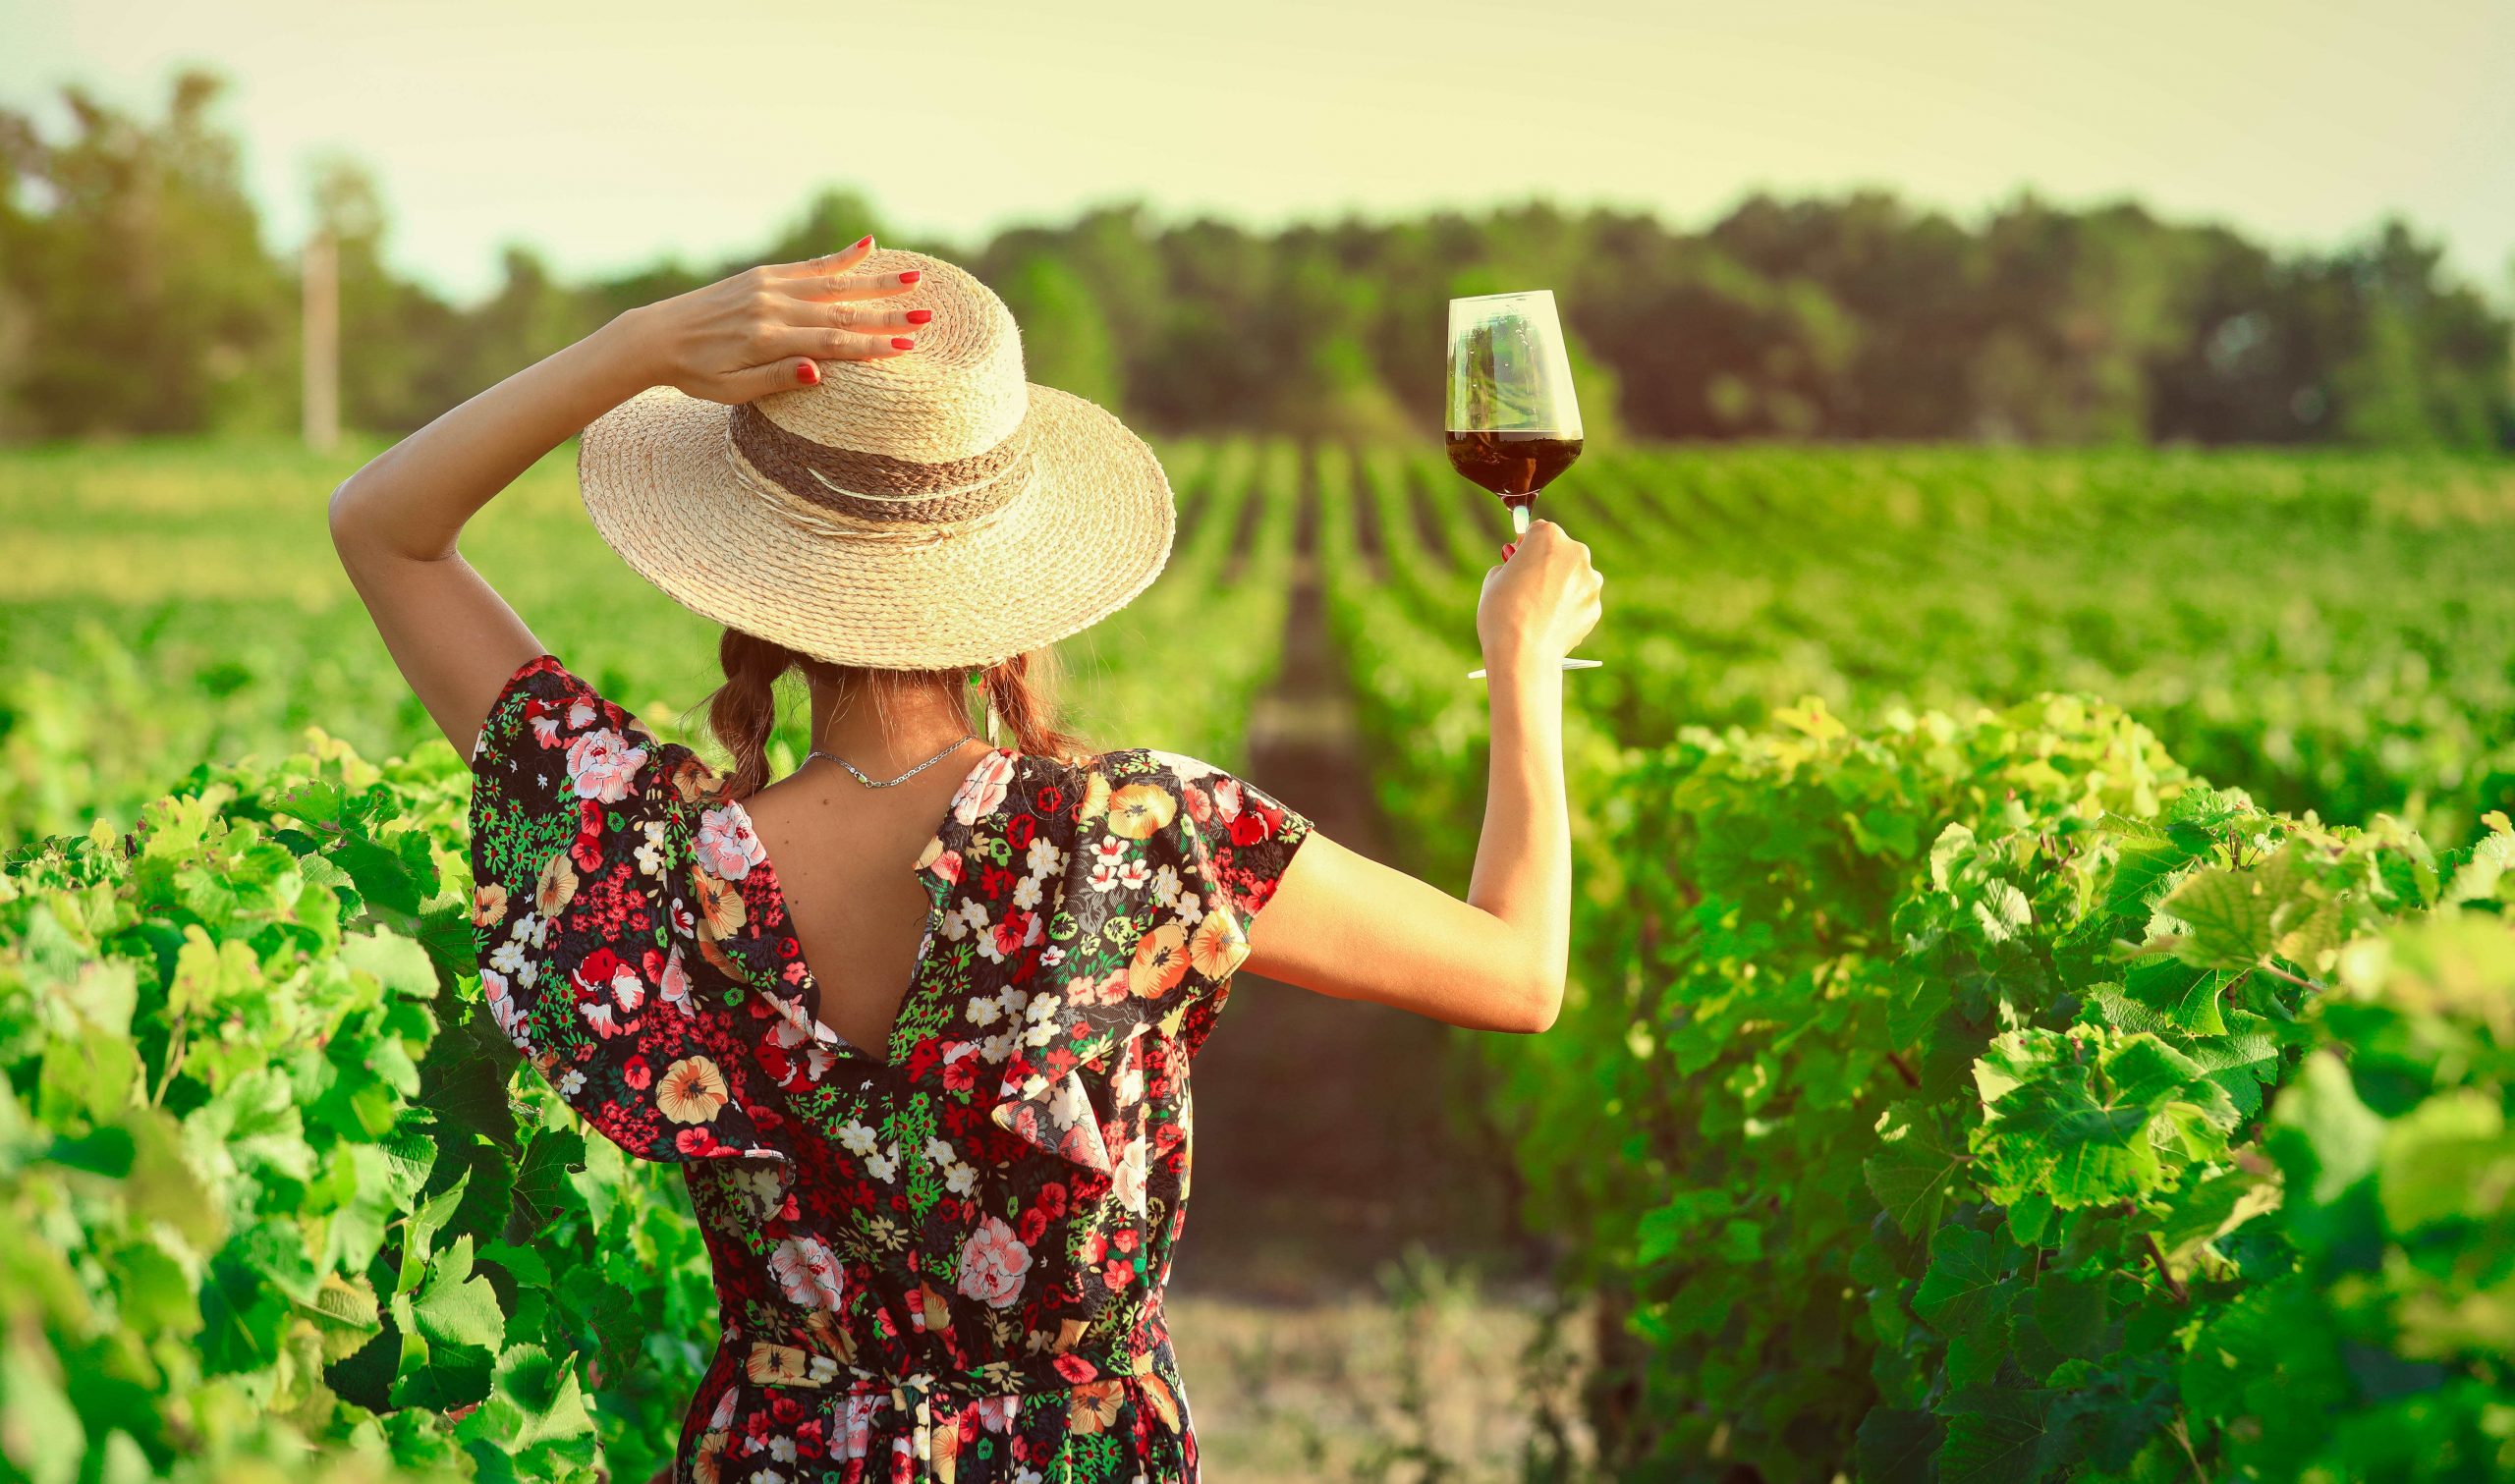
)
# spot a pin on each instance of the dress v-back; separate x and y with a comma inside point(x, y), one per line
point(942, 1257)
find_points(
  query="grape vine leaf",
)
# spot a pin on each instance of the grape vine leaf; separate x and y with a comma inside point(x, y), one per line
point(1996, 1435)
point(2321, 1131)
point(2230, 913)
point(535, 1422)
point(1964, 1292)
point(1910, 1171)
point(2183, 997)
point(451, 1330)
point(1898, 1447)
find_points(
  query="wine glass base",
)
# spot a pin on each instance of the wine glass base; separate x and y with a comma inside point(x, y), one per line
point(1477, 673)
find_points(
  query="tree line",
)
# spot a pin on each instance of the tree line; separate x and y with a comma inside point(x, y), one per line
point(138, 294)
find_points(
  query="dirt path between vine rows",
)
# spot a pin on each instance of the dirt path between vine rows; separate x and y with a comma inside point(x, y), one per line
point(1352, 1298)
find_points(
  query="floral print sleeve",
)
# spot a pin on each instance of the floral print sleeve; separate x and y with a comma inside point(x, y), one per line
point(587, 842)
point(1231, 839)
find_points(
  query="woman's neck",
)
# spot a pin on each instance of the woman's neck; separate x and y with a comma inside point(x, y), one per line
point(886, 735)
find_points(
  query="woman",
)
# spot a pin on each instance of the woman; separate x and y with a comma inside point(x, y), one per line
point(927, 1082)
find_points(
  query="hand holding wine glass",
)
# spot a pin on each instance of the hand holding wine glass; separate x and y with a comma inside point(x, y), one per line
point(1514, 420)
point(1544, 599)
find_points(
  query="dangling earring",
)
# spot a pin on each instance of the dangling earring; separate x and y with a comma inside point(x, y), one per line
point(978, 678)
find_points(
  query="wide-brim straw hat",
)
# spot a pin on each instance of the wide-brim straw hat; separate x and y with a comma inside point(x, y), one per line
point(929, 510)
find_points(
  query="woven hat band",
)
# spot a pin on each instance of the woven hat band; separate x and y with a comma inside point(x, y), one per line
point(910, 523)
point(825, 473)
point(878, 489)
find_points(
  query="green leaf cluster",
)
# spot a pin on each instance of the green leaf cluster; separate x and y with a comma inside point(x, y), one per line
point(1988, 1099)
point(276, 1208)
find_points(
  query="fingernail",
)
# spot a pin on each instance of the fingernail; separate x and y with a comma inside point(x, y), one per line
point(862, 240)
point(901, 343)
point(809, 373)
point(919, 316)
point(1509, 547)
point(911, 276)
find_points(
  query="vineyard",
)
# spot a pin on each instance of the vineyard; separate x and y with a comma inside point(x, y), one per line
point(2040, 1008)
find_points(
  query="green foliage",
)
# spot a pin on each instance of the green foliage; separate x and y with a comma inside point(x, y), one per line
point(1185, 664)
point(274, 1189)
point(178, 602)
point(1065, 332)
point(2259, 612)
point(1971, 1094)
point(1909, 1114)
point(149, 254)
point(2393, 1141)
point(1936, 1063)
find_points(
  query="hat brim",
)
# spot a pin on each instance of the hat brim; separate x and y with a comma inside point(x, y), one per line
point(1090, 532)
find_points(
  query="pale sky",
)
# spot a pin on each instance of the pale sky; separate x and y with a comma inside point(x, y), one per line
point(608, 135)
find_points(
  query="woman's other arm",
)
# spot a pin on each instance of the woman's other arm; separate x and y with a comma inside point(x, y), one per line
point(1345, 925)
point(397, 520)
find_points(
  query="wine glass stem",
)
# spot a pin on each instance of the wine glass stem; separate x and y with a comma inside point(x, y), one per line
point(1520, 517)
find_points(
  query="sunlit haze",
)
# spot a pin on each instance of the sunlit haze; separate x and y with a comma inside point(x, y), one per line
point(607, 135)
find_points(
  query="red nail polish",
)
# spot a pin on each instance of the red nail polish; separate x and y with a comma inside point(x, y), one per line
point(867, 238)
point(903, 343)
point(911, 276)
point(809, 373)
point(919, 316)
point(1509, 547)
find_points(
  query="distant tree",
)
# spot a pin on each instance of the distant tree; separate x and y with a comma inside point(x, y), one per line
point(144, 300)
point(530, 315)
point(2427, 364)
point(1065, 333)
point(1909, 280)
point(135, 296)
point(2074, 305)
point(1204, 368)
point(833, 218)
point(22, 258)
point(1323, 381)
point(1707, 348)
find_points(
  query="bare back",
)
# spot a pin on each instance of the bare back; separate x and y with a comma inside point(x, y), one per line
point(846, 862)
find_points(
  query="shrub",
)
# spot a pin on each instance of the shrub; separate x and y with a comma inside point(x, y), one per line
point(277, 1208)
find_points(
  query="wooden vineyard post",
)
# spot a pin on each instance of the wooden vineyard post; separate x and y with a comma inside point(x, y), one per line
point(322, 355)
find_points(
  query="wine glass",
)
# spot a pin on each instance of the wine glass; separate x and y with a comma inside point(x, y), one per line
point(1512, 420)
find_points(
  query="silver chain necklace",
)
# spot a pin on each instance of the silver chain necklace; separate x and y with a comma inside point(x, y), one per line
point(885, 783)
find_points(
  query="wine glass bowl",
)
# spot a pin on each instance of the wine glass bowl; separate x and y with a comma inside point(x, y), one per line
point(1513, 419)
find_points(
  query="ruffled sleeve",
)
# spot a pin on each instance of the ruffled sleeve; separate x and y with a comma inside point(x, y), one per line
point(1171, 860)
point(580, 853)
point(1231, 839)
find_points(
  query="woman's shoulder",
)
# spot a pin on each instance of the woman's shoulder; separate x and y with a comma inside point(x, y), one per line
point(1142, 792)
point(1137, 763)
point(1091, 779)
point(553, 737)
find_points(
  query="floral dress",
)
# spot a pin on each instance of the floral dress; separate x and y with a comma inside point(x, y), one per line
point(943, 1260)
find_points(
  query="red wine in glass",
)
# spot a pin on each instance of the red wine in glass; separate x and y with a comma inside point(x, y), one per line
point(1514, 465)
point(1514, 423)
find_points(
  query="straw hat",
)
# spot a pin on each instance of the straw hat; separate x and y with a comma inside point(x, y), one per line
point(932, 510)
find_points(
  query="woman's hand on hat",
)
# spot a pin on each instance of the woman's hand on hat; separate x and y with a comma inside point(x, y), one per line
point(763, 329)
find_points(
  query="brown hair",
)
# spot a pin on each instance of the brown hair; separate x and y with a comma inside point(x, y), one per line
point(744, 710)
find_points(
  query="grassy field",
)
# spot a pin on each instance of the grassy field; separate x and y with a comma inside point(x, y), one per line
point(2331, 632)
point(167, 604)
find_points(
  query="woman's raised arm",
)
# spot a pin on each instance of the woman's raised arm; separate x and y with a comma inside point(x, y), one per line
point(396, 522)
point(1343, 924)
